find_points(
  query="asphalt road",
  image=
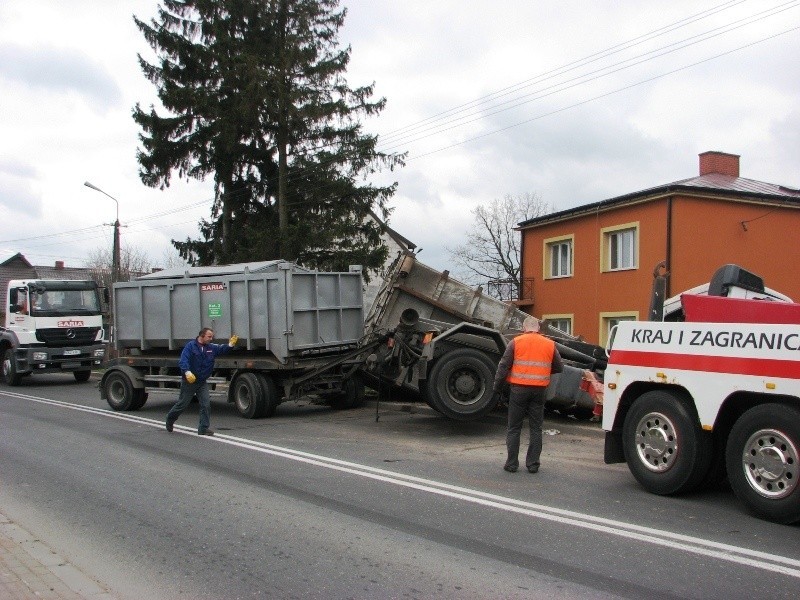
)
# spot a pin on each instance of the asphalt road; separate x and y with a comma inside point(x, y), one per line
point(315, 503)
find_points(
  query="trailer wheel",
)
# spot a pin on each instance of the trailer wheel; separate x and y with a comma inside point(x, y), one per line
point(118, 390)
point(10, 374)
point(248, 395)
point(271, 396)
point(665, 448)
point(352, 396)
point(82, 376)
point(460, 385)
point(763, 460)
point(139, 398)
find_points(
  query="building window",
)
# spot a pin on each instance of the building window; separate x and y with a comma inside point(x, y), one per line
point(561, 322)
point(558, 257)
point(609, 320)
point(620, 247)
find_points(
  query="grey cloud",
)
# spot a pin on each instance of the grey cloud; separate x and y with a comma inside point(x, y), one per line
point(60, 70)
point(17, 193)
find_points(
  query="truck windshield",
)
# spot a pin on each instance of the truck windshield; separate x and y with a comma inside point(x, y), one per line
point(65, 302)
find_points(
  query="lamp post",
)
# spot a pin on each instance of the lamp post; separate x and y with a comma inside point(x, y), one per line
point(115, 259)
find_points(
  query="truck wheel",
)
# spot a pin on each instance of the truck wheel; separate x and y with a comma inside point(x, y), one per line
point(118, 390)
point(665, 448)
point(10, 375)
point(426, 396)
point(460, 385)
point(139, 398)
point(271, 396)
point(81, 376)
point(763, 460)
point(352, 396)
point(248, 395)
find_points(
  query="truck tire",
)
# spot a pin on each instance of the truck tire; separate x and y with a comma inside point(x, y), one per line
point(248, 395)
point(352, 396)
point(460, 385)
point(139, 398)
point(664, 447)
point(271, 397)
point(10, 374)
point(423, 391)
point(119, 391)
point(82, 376)
point(763, 460)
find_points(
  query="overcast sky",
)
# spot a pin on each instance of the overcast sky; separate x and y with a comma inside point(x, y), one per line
point(575, 101)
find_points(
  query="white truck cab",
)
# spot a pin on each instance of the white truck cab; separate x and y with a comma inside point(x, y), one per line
point(52, 326)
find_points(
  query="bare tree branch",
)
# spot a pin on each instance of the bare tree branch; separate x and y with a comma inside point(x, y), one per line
point(132, 263)
point(492, 248)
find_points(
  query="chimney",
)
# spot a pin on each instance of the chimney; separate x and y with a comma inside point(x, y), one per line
point(59, 264)
point(720, 163)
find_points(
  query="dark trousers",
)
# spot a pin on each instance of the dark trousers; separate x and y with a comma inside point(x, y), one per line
point(525, 400)
point(188, 391)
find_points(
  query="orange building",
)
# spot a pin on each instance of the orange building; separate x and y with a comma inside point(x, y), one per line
point(586, 268)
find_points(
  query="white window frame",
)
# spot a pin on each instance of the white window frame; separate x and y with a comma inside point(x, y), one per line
point(609, 319)
point(552, 320)
point(553, 257)
point(618, 256)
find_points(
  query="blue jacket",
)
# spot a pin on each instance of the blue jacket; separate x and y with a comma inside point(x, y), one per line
point(200, 359)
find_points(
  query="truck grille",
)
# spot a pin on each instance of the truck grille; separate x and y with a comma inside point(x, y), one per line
point(73, 336)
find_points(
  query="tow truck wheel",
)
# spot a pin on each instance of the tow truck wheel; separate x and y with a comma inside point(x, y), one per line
point(248, 395)
point(665, 448)
point(763, 460)
point(460, 385)
point(352, 396)
point(81, 376)
point(10, 375)
point(118, 390)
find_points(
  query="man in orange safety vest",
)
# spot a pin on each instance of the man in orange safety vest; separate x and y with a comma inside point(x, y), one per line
point(526, 366)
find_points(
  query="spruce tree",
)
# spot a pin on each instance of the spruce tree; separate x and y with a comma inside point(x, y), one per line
point(256, 97)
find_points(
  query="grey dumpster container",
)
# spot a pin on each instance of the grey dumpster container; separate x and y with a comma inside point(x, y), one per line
point(274, 306)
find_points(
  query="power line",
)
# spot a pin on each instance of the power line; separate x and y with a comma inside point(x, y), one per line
point(596, 74)
point(295, 174)
point(569, 66)
point(616, 91)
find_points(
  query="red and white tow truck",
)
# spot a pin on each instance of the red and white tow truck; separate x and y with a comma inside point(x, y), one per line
point(686, 402)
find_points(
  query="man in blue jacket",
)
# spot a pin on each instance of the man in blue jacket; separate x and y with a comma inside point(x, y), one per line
point(196, 364)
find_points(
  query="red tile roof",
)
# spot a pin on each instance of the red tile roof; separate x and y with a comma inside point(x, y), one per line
point(739, 187)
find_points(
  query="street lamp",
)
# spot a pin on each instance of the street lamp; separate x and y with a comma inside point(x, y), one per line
point(115, 259)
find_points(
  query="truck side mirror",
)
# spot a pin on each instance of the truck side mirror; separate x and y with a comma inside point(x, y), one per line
point(106, 296)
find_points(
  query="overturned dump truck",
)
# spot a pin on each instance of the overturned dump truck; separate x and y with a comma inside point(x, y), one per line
point(441, 339)
point(300, 333)
point(303, 332)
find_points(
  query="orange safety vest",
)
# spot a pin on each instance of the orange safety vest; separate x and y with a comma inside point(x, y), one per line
point(533, 358)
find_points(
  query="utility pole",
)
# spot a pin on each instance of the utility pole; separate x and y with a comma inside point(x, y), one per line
point(115, 252)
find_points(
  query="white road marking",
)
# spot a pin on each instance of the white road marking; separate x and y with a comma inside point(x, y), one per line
point(659, 537)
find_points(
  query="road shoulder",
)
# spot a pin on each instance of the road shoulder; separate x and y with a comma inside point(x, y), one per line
point(29, 569)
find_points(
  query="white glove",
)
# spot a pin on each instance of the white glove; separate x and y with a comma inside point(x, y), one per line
point(190, 377)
